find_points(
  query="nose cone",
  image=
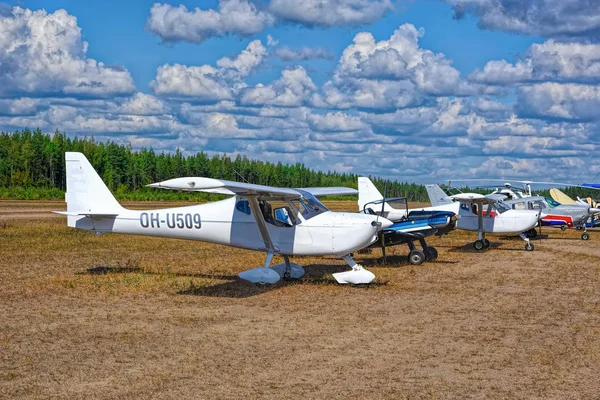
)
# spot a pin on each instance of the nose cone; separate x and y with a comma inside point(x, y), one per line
point(594, 210)
point(385, 223)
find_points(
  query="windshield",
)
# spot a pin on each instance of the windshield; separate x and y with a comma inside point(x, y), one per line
point(308, 205)
point(501, 207)
point(552, 203)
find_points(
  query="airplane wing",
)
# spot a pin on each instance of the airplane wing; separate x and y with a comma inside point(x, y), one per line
point(209, 185)
point(330, 191)
point(476, 198)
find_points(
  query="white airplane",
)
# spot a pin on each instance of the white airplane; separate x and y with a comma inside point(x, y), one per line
point(300, 224)
point(499, 218)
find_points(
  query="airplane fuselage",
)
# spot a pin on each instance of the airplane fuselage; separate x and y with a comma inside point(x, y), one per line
point(225, 222)
point(511, 221)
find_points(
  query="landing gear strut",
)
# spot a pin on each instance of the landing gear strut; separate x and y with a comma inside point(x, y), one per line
point(482, 243)
point(417, 257)
point(528, 245)
point(585, 235)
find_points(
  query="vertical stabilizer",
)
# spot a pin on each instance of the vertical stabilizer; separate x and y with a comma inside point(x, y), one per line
point(561, 197)
point(437, 196)
point(367, 192)
point(86, 192)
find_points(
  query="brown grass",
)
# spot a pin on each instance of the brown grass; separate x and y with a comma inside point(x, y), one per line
point(133, 317)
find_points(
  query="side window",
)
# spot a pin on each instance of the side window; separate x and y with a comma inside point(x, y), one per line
point(277, 213)
point(519, 206)
point(243, 206)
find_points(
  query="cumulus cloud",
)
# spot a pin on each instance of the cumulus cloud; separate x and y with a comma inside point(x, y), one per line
point(392, 73)
point(143, 104)
point(202, 82)
point(400, 57)
point(206, 82)
point(236, 17)
point(305, 53)
point(44, 54)
point(564, 101)
point(548, 61)
point(336, 122)
point(328, 13)
point(292, 89)
point(548, 18)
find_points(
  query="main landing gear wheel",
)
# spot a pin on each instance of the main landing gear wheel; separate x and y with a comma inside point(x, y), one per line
point(479, 245)
point(416, 257)
point(532, 233)
point(563, 228)
point(585, 236)
point(486, 243)
point(529, 247)
point(431, 253)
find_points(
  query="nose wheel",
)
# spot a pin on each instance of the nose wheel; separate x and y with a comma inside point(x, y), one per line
point(481, 244)
point(585, 236)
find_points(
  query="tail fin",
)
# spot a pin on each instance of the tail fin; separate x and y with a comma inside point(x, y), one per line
point(86, 192)
point(367, 192)
point(437, 196)
point(561, 197)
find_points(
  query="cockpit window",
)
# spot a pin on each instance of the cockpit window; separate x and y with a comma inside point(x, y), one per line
point(501, 207)
point(552, 203)
point(308, 205)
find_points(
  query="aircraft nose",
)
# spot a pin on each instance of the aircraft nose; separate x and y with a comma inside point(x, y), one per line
point(594, 210)
point(385, 223)
point(542, 215)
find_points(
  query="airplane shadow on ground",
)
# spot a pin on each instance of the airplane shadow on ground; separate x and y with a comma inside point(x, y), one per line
point(316, 274)
point(396, 261)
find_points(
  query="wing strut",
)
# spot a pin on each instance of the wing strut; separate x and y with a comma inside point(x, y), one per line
point(262, 225)
point(261, 274)
point(480, 222)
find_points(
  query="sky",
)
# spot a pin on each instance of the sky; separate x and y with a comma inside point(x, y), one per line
point(413, 90)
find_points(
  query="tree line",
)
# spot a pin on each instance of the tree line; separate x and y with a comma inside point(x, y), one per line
point(32, 165)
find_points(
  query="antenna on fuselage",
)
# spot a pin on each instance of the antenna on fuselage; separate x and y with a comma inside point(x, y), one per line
point(240, 175)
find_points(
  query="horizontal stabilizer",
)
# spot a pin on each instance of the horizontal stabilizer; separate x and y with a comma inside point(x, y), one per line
point(87, 214)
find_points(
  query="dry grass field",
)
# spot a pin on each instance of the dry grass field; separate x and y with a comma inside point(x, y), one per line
point(134, 317)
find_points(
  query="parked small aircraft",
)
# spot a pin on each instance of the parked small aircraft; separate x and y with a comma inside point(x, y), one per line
point(498, 218)
point(299, 225)
point(562, 198)
point(413, 226)
point(563, 215)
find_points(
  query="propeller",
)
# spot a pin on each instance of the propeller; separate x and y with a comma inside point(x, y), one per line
point(383, 231)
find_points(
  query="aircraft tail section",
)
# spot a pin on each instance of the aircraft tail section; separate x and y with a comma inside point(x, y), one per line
point(367, 192)
point(86, 192)
point(437, 196)
point(561, 197)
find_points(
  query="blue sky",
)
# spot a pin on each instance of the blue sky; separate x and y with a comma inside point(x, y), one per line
point(417, 90)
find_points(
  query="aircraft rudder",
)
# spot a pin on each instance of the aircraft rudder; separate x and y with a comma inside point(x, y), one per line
point(367, 192)
point(437, 196)
point(86, 191)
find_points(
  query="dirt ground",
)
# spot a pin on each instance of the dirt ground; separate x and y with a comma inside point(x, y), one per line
point(120, 316)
